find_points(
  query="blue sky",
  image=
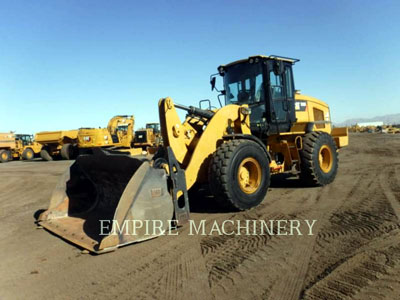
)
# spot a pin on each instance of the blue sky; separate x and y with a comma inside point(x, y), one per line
point(67, 64)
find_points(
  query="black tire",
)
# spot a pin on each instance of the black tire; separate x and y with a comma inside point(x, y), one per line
point(230, 192)
point(5, 156)
point(44, 154)
point(28, 154)
point(316, 144)
point(68, 151)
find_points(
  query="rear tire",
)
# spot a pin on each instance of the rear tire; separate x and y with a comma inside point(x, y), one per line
point(44, 154)
point(28, 154)
point(319, 159)
point(239, 174)
point(5, 156)
point(68, 151)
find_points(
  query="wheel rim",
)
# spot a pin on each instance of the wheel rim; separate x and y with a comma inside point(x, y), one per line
point(325, 159)
point(4, 156)
point(249, 175)
point(29, 155)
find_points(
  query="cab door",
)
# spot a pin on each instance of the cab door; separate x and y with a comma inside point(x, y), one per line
point(281, 90)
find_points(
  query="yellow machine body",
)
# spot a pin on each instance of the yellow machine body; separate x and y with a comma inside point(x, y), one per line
point(216, 147)
point(312, 114)
point(7, 140)
point(391, 130)
point(119, 133)
point(148, 137)
point(193, 144)
point(18, 146)
point(53, 141)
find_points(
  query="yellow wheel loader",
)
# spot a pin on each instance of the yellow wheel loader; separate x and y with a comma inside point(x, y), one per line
point(392, 130)
point(149, 138)
point(18, 146)
point(56, 143)
point(107, 200)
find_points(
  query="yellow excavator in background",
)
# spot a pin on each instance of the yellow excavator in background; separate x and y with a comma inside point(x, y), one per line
point(118, 135)
point(69, 144)
point(107, 200)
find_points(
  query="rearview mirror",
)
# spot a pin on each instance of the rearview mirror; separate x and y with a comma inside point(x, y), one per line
point(278, 68)
point(212, 82)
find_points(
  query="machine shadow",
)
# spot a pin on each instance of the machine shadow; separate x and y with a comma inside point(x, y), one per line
point(202, 201)
point(287, 180)
point(37, 214)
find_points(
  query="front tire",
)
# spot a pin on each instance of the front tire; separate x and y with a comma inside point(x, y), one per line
point(28, 154)
point(319, 159)
point(239, 174)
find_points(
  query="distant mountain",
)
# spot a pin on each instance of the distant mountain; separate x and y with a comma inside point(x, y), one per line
point(386, 119)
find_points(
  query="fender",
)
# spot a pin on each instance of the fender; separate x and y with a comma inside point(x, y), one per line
point(251, 138)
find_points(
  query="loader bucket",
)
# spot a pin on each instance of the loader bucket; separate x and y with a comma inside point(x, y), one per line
point(108, 200)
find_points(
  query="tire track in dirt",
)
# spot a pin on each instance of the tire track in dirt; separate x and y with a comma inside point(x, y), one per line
point(367, 229)
point(225, 253)
point(360, 185)
point(161, 268)
point(179, 273)
point(224, 256)
point(361, 223)
point(397, 176)
point(372, 213)
point(384, 180)
point(291, 287)
point(227, 256)
point(360, 271)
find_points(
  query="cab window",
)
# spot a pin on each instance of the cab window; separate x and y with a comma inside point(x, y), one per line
point(289, 82)
point(276, 82)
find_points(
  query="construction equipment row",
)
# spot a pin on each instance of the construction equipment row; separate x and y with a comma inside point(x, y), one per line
point(49, 145)
point(390, 129)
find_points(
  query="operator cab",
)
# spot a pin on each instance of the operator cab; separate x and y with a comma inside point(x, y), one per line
point(265, 84)
point(26, 139)
point(154, 126)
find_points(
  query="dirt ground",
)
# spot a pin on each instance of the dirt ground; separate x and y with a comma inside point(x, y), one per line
point(353, 254)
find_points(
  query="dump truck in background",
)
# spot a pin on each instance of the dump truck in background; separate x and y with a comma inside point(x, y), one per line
point(18, 146)
point(107, 200)
point(56, 144)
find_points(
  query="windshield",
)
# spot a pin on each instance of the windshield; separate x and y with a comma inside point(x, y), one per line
point(26, 139)
point(154, 126)
point(122, 128)
point(244, 84)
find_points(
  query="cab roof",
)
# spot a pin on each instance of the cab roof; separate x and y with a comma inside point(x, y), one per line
point(274, 57)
